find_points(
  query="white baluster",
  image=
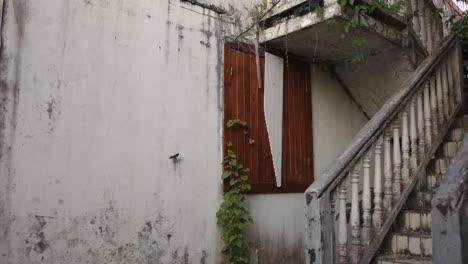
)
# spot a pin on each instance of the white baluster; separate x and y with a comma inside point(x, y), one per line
point(342, 225)
point(427, 114)
point(396, 161)
point(445, 89)
point(413, 136)
point(450, 82)
point(428, 28)
point(333, 198)
point(366, 201)
point(333, 195)
point(433, 95)
point(440, 95)
point(416, 24)
point(355, 216)
point(405, 148)
point(388, 191)
point(420, 116)
point(435, 32)
point(422, 22)
point(457, 71)
point(454, 75)
point(378, 195)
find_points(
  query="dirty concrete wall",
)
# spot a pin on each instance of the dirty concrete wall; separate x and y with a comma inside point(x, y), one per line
point(278, 231)
point(372, 81)
point(96, 95)
point(337, 117)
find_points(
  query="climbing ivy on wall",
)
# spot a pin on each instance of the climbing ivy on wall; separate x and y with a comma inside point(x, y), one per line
point(232, 216)
point(367, 8)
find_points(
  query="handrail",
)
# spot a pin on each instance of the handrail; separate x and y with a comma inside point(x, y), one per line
point(331, 174)
point(391, 154)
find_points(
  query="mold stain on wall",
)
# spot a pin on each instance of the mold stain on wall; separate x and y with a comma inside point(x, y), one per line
point(94, 236)
point(9, 100)
point(95, 239)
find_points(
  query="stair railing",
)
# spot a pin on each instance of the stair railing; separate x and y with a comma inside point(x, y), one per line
point(427, 25)
point(351, 206)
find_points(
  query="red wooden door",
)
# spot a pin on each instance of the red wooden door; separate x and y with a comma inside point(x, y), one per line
point(243, 99)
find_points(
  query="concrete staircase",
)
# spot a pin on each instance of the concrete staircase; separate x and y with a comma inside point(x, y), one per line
point(410, 239)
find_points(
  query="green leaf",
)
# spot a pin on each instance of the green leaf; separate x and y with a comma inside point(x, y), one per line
point(226, 174)
point(233, 163)
point(358, 58)
point(231, 154)
point(331, 22)
point(251, 141)
point(232, 182)
point(357, 42)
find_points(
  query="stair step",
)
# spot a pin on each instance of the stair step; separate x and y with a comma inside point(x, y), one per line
point(456, 134)
point(410, 240)
point(433, 181)
point(414, 221)
point(409, 243)
point(402, 259)
point(438, 166)
point(419, 201)
point(448, 149)
point(465, 120)
point(461, 122)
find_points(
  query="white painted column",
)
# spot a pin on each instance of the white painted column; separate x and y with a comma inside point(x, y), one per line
point(433, 95)
point(366, 200)
point(378, 195)
point(396, 161)
point(355, 215)
point(388, 191)
point(413, 136)
point(342, 225)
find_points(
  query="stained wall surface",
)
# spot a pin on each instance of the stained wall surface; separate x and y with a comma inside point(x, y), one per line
point(95, 98)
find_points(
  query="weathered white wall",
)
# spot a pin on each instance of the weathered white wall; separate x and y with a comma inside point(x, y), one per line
point(98, 95)
point(95, 97)
point(277, 232)
point(374, 80)
point(336, 118)
point(279, 218)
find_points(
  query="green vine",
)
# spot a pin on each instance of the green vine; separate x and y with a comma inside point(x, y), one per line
point(460, 27)
point(367, 8)
point(232, 216)
point(259, 9)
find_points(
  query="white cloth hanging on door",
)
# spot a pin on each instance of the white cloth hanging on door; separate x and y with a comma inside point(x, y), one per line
point(273, 107)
